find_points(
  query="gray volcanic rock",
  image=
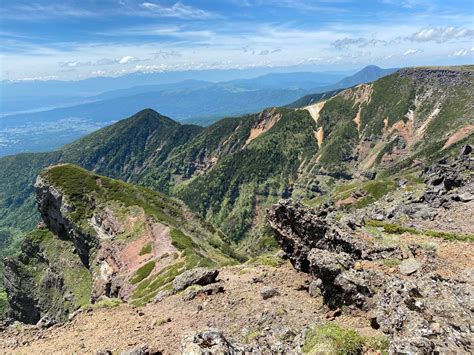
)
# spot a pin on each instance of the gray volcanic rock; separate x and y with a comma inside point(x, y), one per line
point(421, 312)
point(426, 315)
point(209, 342)
point(198, 276)
point(207, 290)
point(409, 266)
point(269, 292)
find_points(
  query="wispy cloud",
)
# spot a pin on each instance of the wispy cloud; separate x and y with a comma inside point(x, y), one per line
point(178, 10)
point(463, 52)
point(38, 11)
point(412, 52)
point(441, 34)
point(128, 60)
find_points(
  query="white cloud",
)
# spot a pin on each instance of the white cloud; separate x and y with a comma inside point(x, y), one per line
point(35, 11)
point(463, 52)
point(127, 60)
point(441, 34)
point(178, 10)
point(412, 52)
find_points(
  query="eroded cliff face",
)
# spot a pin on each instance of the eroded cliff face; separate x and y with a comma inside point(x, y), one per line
point(102, 238)
point(424, 305)
point(64, 264)
point(54, 210)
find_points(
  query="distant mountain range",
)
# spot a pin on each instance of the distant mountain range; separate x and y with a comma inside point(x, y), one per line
point(230, 171)
point(191, 101)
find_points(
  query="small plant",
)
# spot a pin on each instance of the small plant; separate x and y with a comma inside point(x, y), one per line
point(377, 343)
point(428, 246)
point(163, 320)
point(106, 303)
point(265, 260)
point(147, 248)
point(251, 336)
point(391, 262)
point(332, 339)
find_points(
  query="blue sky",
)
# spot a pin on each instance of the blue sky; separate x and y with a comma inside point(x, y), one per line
point(78, 39)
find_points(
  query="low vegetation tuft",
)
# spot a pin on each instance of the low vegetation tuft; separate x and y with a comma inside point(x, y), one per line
point(330, 338)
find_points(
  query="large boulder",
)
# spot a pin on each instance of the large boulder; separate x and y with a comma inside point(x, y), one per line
point(198, 276)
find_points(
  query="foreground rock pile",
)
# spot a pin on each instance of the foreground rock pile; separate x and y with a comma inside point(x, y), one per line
point(419, 309)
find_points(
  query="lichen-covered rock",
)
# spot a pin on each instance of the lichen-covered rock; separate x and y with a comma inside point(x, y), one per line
point(327, 265)
point(427, 315)
point(198, 276)
point(210, 342)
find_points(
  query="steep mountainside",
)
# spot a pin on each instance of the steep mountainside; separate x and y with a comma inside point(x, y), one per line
point(103, 238)
point(378, 198)
point(382, 279)
point(232, 170)
point(58, 120)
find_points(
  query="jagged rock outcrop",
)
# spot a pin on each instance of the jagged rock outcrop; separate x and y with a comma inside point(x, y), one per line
point(446, 176)
point(421, 312)
point(328, 252)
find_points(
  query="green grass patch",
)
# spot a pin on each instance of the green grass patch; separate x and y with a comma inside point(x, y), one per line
point(375, 190)
point(227, 249)
point(147, 248)
point(149, 288)
point(265, 260)
point(251, 336)
point(392, 228)
point(377, 343)
point(143, 272)
point(330, 338)
point(107, 303)
point(162, 320)
point(391, 262)
point(181, 241)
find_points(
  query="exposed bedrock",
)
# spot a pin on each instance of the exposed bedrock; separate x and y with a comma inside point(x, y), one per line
point(420, 311)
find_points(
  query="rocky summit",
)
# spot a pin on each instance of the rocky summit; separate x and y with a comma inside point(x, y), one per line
point(340, 224)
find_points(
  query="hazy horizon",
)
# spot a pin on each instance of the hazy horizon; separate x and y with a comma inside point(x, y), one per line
point(72, 40)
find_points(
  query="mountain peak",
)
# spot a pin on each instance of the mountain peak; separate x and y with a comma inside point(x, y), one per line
point(367, 74)
point(150, 114)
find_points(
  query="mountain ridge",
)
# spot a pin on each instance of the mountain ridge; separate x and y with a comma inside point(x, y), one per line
point(348, 136)
point(191, 101)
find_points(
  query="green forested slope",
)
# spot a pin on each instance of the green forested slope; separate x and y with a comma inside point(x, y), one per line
point(230, 171)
